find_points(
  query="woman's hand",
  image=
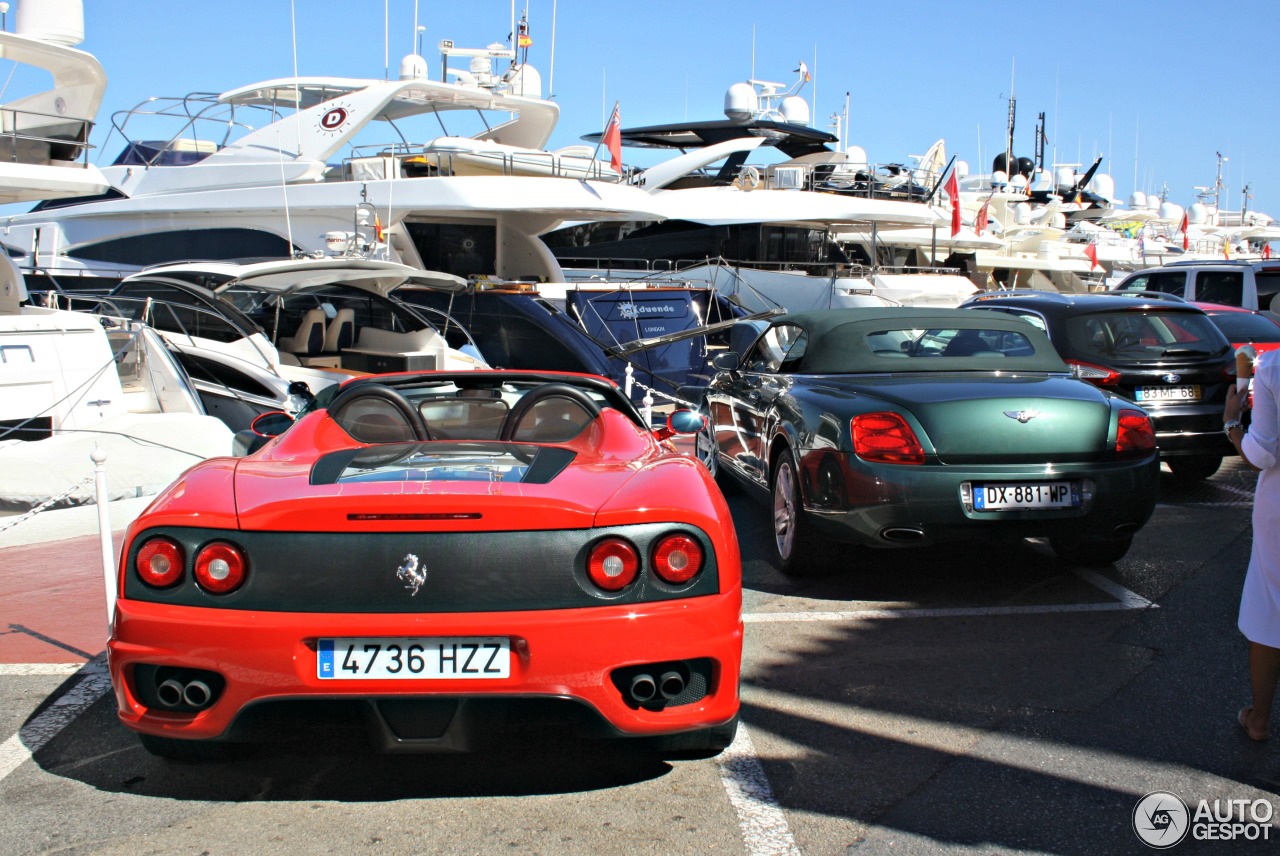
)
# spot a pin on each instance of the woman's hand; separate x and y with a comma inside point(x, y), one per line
point(1236, 400)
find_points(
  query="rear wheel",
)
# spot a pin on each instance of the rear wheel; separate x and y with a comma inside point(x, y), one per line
point(1091, 552)
point(1193, 467)
point(705, 443)
point(705, 743)
point(796, 545)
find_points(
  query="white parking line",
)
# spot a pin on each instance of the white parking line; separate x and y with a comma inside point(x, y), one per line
point(23, 669)
point(764, 827)
point(43, 728)
point(1124, 599)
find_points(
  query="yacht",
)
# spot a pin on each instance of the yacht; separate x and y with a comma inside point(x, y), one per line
point(783, 221)
point(70, 381)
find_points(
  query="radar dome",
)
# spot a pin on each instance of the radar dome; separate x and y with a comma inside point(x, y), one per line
point(999, 178)
point(1026, 166)
point(413, 67)
point(525, 81)
point(58, 21)
point(1058, 220)
point(1021, 213)
point(795, 110)
point(1173, 211)
point(1064, 176)
point(962, 169)
point(1001, 164)
point(1018, 184)
point(740, 103)
point(1197, 213)
point(855, 155)
point(1103, 185)
point(1137, 199)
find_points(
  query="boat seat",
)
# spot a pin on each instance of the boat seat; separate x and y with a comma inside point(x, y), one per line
point(341, 332)
point(308, 339)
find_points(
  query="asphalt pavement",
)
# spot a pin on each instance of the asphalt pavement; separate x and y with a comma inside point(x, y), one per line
point(982, 698)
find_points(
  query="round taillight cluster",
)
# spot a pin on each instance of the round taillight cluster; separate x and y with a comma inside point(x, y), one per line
point(220, 567)
point(614, 563)
point(160, 562)
point(677, 559)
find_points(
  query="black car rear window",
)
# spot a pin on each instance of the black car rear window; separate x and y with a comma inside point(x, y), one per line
point(1246, 327)
point(1142, 334)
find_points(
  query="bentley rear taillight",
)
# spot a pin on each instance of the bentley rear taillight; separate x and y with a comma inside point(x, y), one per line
point(220, 567)
point(159, 562)
point(677, 559)
point(1135, 435)
point(886, 438)
point(613, 564)
point(1096, 375)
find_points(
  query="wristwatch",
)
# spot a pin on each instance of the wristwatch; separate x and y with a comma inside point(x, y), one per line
point(1234, 423)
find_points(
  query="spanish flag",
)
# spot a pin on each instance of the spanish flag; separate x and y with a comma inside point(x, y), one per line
point(378, 233)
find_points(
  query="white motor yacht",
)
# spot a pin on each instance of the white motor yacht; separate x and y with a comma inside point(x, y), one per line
point(70, 381)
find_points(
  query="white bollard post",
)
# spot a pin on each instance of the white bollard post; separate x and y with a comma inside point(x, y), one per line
point(101, 497)
point(647, 401)
point(630, 376)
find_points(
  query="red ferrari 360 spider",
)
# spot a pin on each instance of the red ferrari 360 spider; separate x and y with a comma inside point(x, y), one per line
point(420, 549)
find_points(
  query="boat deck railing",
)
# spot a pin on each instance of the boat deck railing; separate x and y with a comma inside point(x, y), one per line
point(580, 268)
point(43, 139)
point(402, 160)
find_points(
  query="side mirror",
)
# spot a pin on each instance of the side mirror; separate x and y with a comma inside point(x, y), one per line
point(682, 422)
point(273, 423)
point(726, 362)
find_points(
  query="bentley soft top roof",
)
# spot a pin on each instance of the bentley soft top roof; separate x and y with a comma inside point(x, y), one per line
point(846, 341)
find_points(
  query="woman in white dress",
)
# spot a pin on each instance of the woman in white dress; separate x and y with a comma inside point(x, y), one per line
point(1260, 600)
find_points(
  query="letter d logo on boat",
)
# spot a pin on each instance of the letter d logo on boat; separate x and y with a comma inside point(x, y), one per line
point(334, 120)
point(1161, 819)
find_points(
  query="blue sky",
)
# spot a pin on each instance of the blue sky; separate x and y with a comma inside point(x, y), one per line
point(1156, 87)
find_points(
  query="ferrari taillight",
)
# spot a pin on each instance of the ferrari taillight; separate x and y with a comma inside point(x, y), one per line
point(613, 564)
point(1096, 375)
point(159, 562)
point(1135, 435)
point(220, 567)
point(677, 559)
point(886, 438)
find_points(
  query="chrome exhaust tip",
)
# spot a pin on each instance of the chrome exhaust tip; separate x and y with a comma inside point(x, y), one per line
point(643, 688)
point(170, 693)
point(197, 693)
point(670, 684)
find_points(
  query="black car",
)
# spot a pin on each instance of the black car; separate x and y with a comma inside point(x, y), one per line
point(1163, 354)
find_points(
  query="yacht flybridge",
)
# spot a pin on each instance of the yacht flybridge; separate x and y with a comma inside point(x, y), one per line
point(450, 175)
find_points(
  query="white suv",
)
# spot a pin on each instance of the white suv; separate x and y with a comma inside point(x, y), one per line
point(1251, 284)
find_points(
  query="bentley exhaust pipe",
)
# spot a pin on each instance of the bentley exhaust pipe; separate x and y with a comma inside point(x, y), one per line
point(196, 694)
point(670, 684)
point(643, 688)
point(170, 693)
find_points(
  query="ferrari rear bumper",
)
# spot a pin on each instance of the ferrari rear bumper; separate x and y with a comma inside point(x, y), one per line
point(590, 656)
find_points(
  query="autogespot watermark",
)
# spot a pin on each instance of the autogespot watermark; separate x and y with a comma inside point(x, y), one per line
point(1162, 820)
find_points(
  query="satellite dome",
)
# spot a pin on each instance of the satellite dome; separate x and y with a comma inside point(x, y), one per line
point(795, 109)
point(60, 22)
point(1104, 185)
point(740, 102)
point(1064, 176)
point(1026, 166)
point(1197, 213)
point(1058, 220)
point(962, 169)
point(413, 67)
point(999, 178)
point(1137, 199)
point(1022, 213)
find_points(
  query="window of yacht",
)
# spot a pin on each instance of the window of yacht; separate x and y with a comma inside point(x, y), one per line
point(184, 244)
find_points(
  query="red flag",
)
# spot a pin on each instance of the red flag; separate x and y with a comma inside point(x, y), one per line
point(980, 221)
point(613, 139)
point(1091, 252)
point(1185, 243)
point(1266, 251)
point(953, 191)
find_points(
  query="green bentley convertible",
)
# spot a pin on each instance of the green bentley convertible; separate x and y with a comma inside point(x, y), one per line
point(898, 427)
